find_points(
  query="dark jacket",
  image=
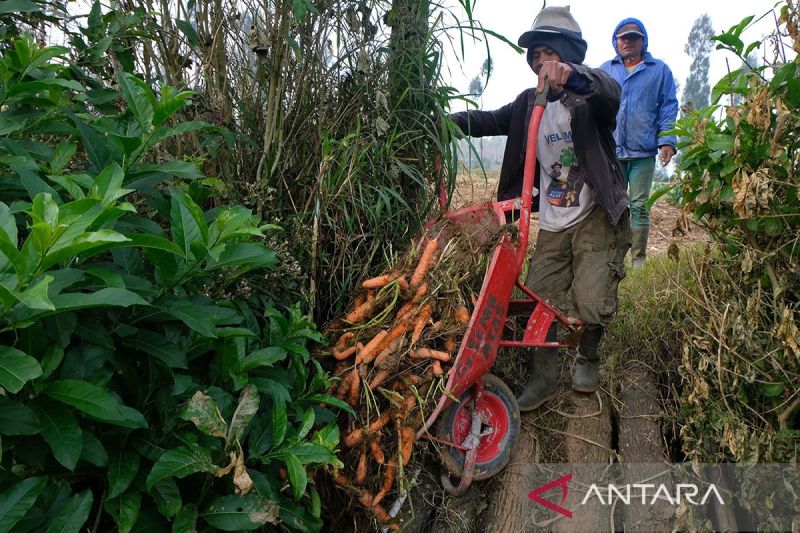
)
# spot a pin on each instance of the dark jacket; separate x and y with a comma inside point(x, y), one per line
point(592, 98)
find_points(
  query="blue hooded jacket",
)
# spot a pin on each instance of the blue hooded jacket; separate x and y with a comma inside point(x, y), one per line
point(649, 104)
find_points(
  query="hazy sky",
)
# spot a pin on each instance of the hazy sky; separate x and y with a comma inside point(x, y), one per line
point(668, 25)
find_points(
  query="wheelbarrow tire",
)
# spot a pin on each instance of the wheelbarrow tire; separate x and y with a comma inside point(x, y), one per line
point(495, 450)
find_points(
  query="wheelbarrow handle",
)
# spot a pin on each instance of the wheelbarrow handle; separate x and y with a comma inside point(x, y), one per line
point(530, 171)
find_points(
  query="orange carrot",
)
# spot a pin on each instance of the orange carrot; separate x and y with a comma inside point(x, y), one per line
point(420, 322)
point(341, 480)
point(402, 283)
point(344, 386)
point(407, 438)
point(389, 350)
point(343, 340)
point(461, 315)
point(422, 290)
point(436, 368)
point(427, 353)
point(355, 382)
point(356, 436)
point(359, 300)
point(424, 263)
point(379, 281)
point(365, 498)
point(450, 344)
point(396, 332)
point(381, 421)
point(370, 295)
point(361, 470)
point(388, 481)
point(379, 378)
point(375, 450)
point(344, 354)
point(383, 517)
point(371, 347)
point(361, 313)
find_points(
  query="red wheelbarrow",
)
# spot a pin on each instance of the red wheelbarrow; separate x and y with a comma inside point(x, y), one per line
point(478, 432)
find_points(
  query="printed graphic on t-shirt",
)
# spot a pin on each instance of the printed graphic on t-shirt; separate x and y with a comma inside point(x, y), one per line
point(566, 180)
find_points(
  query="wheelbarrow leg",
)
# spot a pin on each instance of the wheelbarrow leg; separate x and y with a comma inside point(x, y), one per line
point(471, 444)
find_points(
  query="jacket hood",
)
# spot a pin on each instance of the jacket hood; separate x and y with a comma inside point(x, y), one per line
point(621, 24)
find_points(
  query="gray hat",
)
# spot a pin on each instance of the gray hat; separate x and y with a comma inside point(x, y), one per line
point(556, 28)
point(553, 19)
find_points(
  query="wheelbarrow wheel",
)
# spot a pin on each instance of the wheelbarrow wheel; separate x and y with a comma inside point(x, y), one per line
point(501, 423)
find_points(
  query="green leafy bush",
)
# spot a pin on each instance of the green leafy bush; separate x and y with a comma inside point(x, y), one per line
point(133, 394)
point(741, 361)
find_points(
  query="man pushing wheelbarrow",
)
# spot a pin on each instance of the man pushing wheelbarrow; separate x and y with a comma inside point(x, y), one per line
point(583, 211)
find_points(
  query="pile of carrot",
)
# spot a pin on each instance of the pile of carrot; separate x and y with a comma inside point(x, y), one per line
point(393, 350)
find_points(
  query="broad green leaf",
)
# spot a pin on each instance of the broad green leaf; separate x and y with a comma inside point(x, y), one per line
point(107, 186)
point(297, 475)
point(8, 224)
point(244, 256)
point(89, 244)
point(94, 145)
point(18, 6)
point(308, 423)
point(93, 451)
point(62, 154)
point(249, 401)
point(181, 462)
point(17, 419)
point(329, 400)
point(202, 410)
point(158, 346)
point(188, 223)
point(298, 518)
point(125, 509)
point(307, 453)
point(263, 357)
point(139, 98)
point(186, 520)
point(772, 390)
point(17, 368)
point(44, 210)
point(167, 496)
point(174, 167)
point(279, 420)
point(171, 100)
point(109, 297)
point(240, 513)
point(188, 30)
point(72, 517)
point(35, 296)
point(61, 431)
point(90, 399)
point(191, 314)
point(17, 500)
point(123, 465)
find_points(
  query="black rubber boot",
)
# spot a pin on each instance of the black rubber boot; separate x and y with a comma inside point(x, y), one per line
point(543, 366)
point(587, 360)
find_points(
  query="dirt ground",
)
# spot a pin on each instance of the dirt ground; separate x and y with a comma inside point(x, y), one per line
point(474, 188)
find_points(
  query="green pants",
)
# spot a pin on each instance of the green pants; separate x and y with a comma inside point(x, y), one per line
point(639, 175)
point(579, 269)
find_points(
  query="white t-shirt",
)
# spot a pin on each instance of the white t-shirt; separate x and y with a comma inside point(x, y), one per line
point(565, 199)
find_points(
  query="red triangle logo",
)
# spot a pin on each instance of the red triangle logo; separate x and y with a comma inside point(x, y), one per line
point(563, 482)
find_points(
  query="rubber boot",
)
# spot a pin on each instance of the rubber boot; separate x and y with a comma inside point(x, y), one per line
point(587, 360)
point(543, 366)
point(638, 246)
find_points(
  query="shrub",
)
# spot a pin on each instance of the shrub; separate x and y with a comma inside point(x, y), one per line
point(133, 394)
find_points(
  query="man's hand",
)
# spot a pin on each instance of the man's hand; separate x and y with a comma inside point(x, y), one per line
point(556, 75)
point(667, 153)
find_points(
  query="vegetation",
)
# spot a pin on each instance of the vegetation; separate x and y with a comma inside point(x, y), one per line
point(741, 179)
point(141, 382)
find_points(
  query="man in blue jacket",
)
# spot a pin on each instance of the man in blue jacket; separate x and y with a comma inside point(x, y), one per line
point(648, 109)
